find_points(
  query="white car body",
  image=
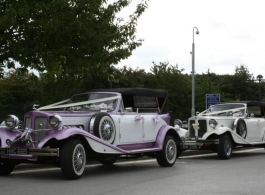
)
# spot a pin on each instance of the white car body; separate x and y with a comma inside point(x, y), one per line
point(102, 124)
point(241, 123)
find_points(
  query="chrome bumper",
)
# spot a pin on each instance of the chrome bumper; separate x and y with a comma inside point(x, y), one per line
point(31, 151)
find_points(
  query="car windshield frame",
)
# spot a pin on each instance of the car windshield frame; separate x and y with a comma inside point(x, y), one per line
point(107, 103)
point(227, 109)
point(100, 102)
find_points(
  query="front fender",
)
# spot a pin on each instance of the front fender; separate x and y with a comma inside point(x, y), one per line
point(219, 131)
point(97, 144)
point(63, 134)
point(165, 130)
point(5, 134)
point(222, 130)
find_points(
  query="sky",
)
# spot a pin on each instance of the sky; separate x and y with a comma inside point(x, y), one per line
point(232, 33)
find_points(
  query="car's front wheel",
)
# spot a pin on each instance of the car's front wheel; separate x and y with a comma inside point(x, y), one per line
point(224, 148)
point(6, 168)
point(73, 159)
point(168, 155)
point(179, 151)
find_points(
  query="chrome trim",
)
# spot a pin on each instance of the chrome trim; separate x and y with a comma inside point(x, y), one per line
point(211, 141)
point(38, 152)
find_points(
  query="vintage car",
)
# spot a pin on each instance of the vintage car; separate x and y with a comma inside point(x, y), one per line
point(103, 125)
point(225, 126)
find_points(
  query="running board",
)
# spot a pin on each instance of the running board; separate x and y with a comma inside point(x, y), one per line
point(145, 150)
point(257, 143)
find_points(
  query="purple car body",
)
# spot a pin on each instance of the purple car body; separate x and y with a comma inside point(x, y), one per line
point(103, 125)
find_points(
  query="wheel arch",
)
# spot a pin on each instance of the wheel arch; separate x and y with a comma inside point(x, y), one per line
point(54, 143)
point(216, 136)
point(163, 133)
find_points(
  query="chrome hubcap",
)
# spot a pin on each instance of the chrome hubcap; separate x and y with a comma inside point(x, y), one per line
point(242, 130)
point(171, 151)
point(227, 147)
point(107, 130)
point(79, 159)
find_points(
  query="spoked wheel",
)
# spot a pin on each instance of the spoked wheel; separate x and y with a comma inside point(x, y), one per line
point(179, 151)
point(104, 127)
point(241, 128)
point(73, 159)
point(168, 155)
point(224, 148)
point(6, 168)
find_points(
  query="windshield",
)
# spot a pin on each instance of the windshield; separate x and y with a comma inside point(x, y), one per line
point(227, 110)
point(99, 101)
point(221, 107)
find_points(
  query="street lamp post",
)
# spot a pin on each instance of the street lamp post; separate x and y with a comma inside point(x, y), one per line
point(193, 72)
point(259, 78)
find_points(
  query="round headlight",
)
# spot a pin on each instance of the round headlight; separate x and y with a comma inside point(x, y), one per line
point(11, 121)
point(185, 125)
point(55, 121)
point(213, 123)
point(178, 122)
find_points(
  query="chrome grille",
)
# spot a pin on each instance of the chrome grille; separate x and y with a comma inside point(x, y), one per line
point(28, 122)
point(40, 123)
point(201, 131)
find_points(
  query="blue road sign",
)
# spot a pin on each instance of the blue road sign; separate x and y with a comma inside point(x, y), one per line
point(212, 99)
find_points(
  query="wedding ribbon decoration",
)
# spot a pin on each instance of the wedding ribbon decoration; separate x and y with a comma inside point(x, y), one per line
point(156, 119)
point(103, 106)
point(26, 133)
point(258, 122)
point(138, 118)
point(61, 105)
point(196, 127)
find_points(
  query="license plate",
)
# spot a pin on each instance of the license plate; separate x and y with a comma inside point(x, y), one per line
point(21, 151)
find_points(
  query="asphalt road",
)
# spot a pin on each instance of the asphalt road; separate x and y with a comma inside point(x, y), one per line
point(194, 173)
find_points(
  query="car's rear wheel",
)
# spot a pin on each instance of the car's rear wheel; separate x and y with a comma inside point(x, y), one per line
point(224, 148)
point(73, 159)
point(6, 168)
point(241, 128)
point(168, 155)
point(104, 127)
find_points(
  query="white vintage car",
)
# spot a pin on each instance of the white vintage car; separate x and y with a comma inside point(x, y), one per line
point(103, 125)
point(225, 126)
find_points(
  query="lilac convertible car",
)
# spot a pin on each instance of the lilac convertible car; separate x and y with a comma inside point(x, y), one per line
point(103, 125)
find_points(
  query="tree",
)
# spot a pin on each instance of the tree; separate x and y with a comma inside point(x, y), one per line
point(205, 84)
point(19, 91)
point(178, 85)
point(66, 36)
point(238, 87)
point(127, 77)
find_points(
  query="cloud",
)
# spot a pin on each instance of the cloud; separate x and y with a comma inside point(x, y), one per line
point(231, 34)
